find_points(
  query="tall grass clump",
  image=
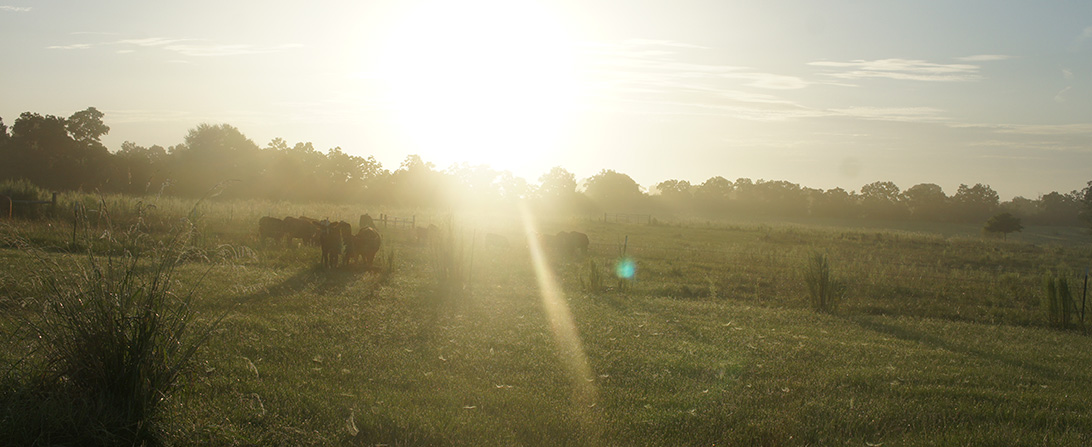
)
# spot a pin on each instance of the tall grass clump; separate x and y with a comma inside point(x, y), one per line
point(824, 291)
point(1058, 302)
point(593, 281)
point(110, 340)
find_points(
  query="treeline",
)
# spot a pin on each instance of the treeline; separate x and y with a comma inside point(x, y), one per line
point(66, 154)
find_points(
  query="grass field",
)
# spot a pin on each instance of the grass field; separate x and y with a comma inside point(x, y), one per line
point(940, 338)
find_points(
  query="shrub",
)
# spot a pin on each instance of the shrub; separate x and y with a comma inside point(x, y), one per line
point(593, 282)
point(109, 345)
point(824, 291)
point(1058, 302)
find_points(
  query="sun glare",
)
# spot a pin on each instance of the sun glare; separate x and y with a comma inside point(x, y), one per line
point(482, 81)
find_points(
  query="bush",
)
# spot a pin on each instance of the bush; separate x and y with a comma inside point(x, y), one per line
point(824, 291)
point(109, 345)
point(1060, 307)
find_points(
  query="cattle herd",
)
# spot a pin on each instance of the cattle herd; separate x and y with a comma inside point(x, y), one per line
point(340, 246)
point(336, 239)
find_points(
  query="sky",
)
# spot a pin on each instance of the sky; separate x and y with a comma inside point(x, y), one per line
point(825, 94)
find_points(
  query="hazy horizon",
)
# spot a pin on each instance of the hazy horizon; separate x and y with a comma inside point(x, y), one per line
point(823, 94)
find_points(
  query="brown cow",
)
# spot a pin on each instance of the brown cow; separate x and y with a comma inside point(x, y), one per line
point(271, 228)
point(302, 228)
point(363, 246)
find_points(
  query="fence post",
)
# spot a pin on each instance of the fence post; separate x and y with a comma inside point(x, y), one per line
point(10, 205)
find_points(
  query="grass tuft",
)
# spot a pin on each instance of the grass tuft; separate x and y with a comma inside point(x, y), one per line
point(824, 291)
point(108, 344)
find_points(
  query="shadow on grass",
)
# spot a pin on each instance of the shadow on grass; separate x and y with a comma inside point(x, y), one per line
point(934, 341)
point(321, 280)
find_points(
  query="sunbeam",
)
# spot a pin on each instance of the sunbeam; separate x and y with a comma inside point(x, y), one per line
point(561, 320)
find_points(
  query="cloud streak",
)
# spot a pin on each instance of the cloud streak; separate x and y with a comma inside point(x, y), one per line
point(901, 69)
point(185, 47)
point(7, 8)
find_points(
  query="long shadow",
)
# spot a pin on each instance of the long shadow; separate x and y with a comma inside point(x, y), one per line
point(907, 334)
point(320, 279)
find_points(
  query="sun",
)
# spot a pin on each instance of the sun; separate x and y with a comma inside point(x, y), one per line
point(483, 81)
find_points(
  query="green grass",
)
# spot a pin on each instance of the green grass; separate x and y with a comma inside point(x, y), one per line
point(941, 340)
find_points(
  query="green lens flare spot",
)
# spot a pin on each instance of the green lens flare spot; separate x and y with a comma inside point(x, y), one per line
point(625, 268)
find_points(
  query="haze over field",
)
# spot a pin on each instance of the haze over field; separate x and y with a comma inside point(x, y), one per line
point(826, 94)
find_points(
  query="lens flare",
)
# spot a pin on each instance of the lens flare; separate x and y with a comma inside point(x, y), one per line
point(625, 268)
point(561, 320)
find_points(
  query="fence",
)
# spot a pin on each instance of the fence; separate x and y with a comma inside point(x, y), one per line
point(8, 205)
point(397, 222)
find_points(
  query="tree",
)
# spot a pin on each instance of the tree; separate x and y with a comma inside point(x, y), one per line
point(974, 203)
point(926, 201)
point(86, 127)
point(558, 184)
point(3, 133)
point(882, 200)
point(614, 190)
point(214, 155)
point(1003, 223)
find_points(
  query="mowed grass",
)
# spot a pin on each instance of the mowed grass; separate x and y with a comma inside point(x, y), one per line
point(939, 341)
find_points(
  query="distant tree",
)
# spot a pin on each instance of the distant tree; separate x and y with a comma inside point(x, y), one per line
point(1059, 209)
point(214, 155)
point(138, 170)
point(779, 197)
point(41, 150)
point(1003, 223)
point(556, 193)
point(558, 184)
point(3, 133)
point(974, 203)
point(835, 202)
point(86, 127)
point(882, 200)
point(926, 201)
point(712, 195)
point(675, 194)
point(614, 190)
point(1085, 198)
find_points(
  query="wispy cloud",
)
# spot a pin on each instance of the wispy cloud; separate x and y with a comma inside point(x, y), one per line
point(185, 47)
point(15, 8)
point(1061, 96)
point(659, 77)
point(901, 69)
point(75, 46)
point(1075, 130)
point(984, 58)
point(899, 114)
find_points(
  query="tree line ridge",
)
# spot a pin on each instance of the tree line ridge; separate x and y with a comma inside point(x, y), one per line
point(58, 153)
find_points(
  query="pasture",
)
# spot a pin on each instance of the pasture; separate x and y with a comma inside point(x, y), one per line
point(940, 337)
